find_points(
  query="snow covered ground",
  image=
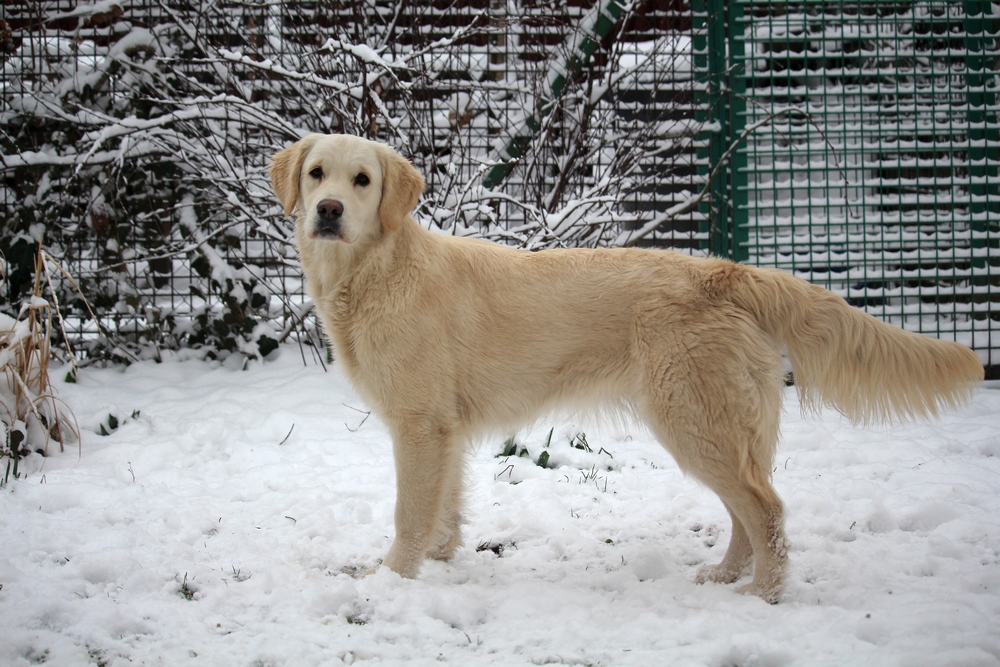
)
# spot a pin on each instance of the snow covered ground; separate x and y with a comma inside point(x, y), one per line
point(219, 525)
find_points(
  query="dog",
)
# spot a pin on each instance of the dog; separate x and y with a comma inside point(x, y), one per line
point(449, 338)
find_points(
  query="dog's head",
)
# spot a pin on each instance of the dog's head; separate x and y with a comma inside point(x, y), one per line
point(345, 188)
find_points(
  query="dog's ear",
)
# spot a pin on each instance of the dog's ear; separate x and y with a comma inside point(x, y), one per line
point(286, 168)
point(402, 186)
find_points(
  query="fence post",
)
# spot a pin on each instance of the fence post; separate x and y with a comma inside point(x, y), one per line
point(719, 213)
point(702, 103)
point(738, 72)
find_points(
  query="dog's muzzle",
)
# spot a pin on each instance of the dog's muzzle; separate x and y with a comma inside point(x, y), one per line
point(328, 218)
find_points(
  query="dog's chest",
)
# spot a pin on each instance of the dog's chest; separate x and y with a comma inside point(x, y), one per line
point(361, 334)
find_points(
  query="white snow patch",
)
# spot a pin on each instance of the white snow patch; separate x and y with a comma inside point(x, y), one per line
point(219, 524)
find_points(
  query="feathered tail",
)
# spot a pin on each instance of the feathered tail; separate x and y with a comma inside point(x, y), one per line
point(868, 370)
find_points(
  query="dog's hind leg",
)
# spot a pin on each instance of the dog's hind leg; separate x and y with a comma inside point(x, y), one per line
point(738, 558)
point(754, 506)
point(758, 518)
point(428, 469)
point(716, 408)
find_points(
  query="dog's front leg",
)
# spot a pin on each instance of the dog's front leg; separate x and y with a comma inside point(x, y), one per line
point(426, 462)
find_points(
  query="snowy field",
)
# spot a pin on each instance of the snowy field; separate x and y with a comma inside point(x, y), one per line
point(221, 522)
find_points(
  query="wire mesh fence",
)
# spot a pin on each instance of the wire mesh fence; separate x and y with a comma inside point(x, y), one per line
point(135, 139)
point(876, 174)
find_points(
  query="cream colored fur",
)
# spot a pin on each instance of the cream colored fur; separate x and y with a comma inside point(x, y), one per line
point(448, 337)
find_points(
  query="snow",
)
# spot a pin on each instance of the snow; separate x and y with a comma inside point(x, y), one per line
point(221, 520)
point(362, 52)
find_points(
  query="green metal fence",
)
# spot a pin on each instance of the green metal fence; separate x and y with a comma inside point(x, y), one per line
point(875, 172)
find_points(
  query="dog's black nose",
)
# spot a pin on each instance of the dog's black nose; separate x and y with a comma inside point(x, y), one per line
point(328, 214)
point(330, 208)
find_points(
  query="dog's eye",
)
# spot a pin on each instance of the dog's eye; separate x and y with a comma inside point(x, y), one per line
point(362, 180)
point(317, 173)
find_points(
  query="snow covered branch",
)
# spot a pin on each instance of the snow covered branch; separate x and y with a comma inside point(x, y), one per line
point(136, 138)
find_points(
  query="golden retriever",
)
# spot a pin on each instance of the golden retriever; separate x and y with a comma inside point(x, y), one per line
point(447, 338)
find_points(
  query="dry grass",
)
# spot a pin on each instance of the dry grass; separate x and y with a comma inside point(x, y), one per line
point(32, 415)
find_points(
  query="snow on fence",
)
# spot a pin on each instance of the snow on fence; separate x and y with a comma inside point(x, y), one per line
point(136, 137)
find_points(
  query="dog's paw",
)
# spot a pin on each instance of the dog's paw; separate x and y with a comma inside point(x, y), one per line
point(402, 562)
point(444, 554)
point(446, 551)
point(718, 574)
point(769, 594)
